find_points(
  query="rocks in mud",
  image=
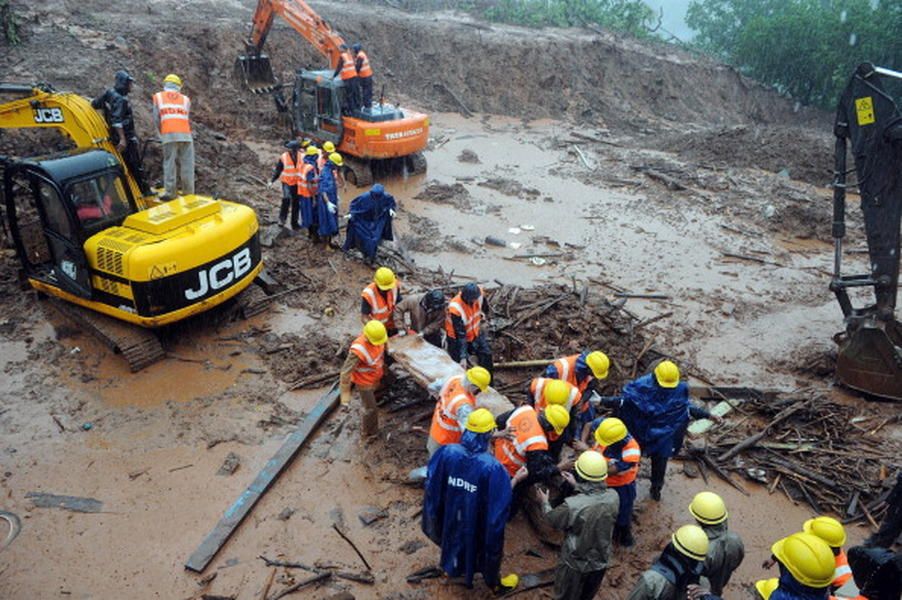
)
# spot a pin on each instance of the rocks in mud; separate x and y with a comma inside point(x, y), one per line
point(455, 194)
point(229, 465)
point(411, 546)
point(468, 156)
point(370, 514)
point(509, 187)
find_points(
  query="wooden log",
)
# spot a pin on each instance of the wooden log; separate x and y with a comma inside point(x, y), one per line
point(245, 503)
point(521, 364)
point(755, 438)
point(293, 588)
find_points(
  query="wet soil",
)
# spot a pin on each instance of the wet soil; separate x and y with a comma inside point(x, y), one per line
point(616, 172)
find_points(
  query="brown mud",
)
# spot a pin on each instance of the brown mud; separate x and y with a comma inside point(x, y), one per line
point(609, 164)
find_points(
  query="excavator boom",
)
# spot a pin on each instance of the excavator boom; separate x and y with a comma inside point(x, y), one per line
point(868, 120)
point(255, 67)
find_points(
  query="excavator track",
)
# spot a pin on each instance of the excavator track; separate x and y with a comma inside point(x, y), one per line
point(140, 347)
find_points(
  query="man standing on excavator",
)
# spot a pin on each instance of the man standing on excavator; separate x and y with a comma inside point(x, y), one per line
point(118, 112)
point(364, 75)
point(347, 70)
point(172, 116)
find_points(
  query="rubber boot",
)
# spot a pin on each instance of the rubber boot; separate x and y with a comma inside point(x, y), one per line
point(655, 493)
point(618, 532)
point(626, 536)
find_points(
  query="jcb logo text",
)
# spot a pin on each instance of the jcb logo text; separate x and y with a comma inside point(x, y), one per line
point(48, 115)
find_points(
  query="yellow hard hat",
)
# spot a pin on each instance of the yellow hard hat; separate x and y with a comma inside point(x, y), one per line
point(667, 374)
point(173, 78)
point(708, 508)
point(766, 587)
point(610, 431)
point(592, 466)
point(336, 159)
point(828, 529)
point(691, 541)
point(599, 363)
point(312, 150)
point(510, 581)
point(556, 392)
point(329, 147)
point(479, 377)
point(808, 558)
point(558, 417)
point(480, 421)
point(375, 332)
point(384, 278)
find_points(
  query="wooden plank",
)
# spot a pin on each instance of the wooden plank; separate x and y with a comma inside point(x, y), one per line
point(242, 507)
point(427, 363)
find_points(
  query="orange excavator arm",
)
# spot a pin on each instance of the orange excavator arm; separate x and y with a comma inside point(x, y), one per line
point(303, 19)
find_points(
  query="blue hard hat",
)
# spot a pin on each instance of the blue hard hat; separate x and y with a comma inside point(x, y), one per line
point(356, 47)
point(378, 189)
point(470, 293)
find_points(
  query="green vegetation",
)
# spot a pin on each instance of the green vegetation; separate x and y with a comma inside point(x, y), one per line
point(630, 16)
point(8, 24)
point(806, 48)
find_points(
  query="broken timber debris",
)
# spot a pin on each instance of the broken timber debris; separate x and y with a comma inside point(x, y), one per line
point(242, 507)
point(71, 503)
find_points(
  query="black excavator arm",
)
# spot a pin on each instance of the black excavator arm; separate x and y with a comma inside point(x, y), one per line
point(869, 123)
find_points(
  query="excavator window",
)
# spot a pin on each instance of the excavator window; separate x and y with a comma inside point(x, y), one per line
point(57, 219)
point(99, 202)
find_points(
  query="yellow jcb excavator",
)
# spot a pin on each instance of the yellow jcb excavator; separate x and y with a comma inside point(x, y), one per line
point(83, 233)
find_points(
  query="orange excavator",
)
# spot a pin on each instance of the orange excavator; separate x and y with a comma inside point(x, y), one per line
point(381, 136)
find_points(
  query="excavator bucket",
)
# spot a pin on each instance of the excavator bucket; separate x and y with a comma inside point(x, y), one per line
point(255, 72)
point(870, 359)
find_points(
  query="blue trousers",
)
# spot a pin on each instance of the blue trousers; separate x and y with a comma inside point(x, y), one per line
point(627, 494)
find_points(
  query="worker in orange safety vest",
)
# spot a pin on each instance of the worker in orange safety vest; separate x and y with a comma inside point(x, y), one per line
point(286, 172)
point(346, 69)
point(457, 399)
point(364, 368)
point(364, 75)
point(379, 299)
point(172, 116)
point(463, 327)
point(622, 452)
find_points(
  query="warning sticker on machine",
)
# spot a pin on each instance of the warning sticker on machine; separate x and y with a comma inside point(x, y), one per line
point(864, 107)
point(163, 270)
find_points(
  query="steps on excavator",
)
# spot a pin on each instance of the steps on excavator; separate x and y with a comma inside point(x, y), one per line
point(140, 347)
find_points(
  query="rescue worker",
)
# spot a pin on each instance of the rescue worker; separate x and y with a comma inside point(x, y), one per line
point(831, 531)
point(622, 453)
point(379, 298)
point(582, 370)
point(456, 400)
point(679, 566)
point(370, 222)
point(466, 505)
point(347, 71)
point(463, 327)
point(308, 186)
point(325, 152)
point(364, 368)
point(327, 199)
point(725, 548)
point(766, 587)
point(286, 171)
point(526, 445)
point(543, 392)
point(587, 519)
point(891, 526)
point(656, 410)
point(172, 116)
point(424, 314)
point(806, 568)
point(364, 76)
point(118, 112)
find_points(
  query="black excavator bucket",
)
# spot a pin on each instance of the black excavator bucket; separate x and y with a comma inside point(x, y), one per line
point(255, 72)
point(870, 359)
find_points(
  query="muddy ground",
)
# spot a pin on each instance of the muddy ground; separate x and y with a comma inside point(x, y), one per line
point(624, 167)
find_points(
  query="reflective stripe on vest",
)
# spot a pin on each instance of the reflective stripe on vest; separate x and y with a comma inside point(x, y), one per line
point(524, 424)
point(566, 369)
point(368, 371)
point(306, 188)
point(630, 453)
point(290, 170)
point(365, 70)
point(843, 572)
point(445, 427)
point(174, 109)
point(381, 306)
point(472, 317)
point(348, 68)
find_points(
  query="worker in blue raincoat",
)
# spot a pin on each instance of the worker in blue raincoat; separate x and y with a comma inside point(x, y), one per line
point(327, 198)
point(465, 508)
point(370, 223)
point(656, 411)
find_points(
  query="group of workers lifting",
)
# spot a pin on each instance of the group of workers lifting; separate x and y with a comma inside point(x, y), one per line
point(172, 118)
point(484, 467)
